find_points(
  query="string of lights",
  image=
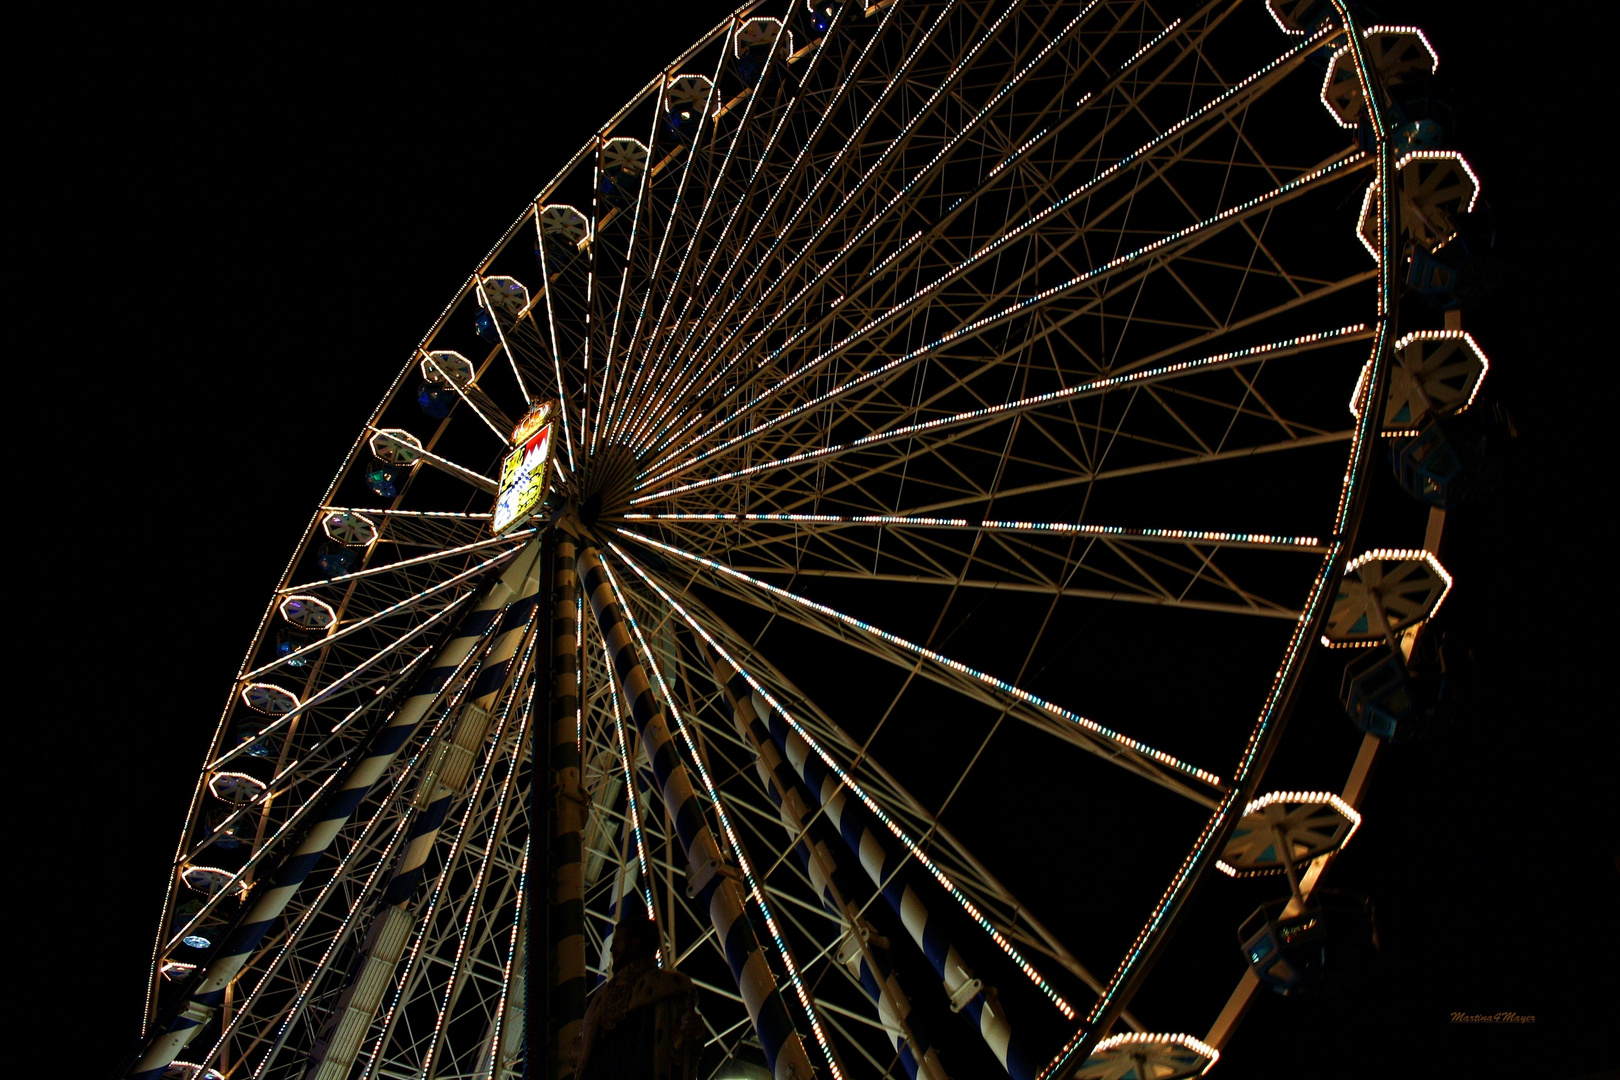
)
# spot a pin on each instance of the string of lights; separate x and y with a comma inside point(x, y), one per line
point(1001, 685)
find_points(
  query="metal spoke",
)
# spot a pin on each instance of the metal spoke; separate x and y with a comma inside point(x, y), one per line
point(1119, 745)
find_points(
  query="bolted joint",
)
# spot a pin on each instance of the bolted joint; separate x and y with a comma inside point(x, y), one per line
point(701, 869)
point(197, 1012)
point(966, 993)
point(861, 933)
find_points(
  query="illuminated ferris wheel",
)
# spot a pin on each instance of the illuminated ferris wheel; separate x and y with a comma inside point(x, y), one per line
point(857, 538)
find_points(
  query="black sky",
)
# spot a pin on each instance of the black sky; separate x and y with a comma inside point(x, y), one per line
point(228, 229)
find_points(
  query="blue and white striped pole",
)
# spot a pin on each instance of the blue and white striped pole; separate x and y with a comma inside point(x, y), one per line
point(711, 887)
point(891, 870)
point(632, 877)
point(457, 755)
point(446, 775)
point(876, 976)
point(625, 893)
point(209, 990)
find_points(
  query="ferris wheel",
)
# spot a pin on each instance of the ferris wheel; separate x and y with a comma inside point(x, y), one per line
point(860, 532)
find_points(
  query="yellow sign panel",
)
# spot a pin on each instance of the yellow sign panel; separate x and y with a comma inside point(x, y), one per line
point(524, 473)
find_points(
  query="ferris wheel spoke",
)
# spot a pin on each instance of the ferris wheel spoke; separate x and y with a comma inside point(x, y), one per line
point(518, 335)
point(453, 762)
point(778, 481)
point(664, 278)
point(267, 911)
point(1185, 780)
point(345, 630)
point(864, 775)
point(474, 398)
point(255, 1025)
point(723, 896)
point(852, 192)
point(953, 881)
point(1143, 590)
point(639, 281)
point(506, 1048)
point(785, 193)
point(622, 163)
point(399, 529)
point(1239, 454)
point(797, 415)
point(514, 539)
point(977, 495)
point(535, 350)
point(941, 563)
point(981, 686)
point(389, 513)
point(463, 940)
point(449, 468)
point(982, 418)
point(1159, 252)
point(1194, 127)
point(552, 284)
point(963, 206)
point(632, 283)
point(503, 347)
point(739, 295)
point(720, 241)
point(362, 856)
point(664, 350)
point(850, 552)
point(347, 683)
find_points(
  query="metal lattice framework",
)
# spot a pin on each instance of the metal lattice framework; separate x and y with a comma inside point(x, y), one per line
point(864, 326)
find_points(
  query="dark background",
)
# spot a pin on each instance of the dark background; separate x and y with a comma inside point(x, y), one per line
point(228, 228)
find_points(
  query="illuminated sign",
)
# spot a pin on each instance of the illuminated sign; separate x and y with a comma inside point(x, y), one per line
point(525, 471)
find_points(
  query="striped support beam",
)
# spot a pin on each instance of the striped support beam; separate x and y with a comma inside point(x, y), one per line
point(631, 879)
point(209, 991)
point(892, 871)
point(626, 893)
point(456, 756)
point(715, 889)
point(869, 964)
point(446, 776)
point(566, 903)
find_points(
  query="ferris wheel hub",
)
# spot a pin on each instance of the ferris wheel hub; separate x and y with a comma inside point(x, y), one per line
point(606, 484)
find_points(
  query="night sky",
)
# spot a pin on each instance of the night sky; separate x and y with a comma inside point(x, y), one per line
point(232, 226)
